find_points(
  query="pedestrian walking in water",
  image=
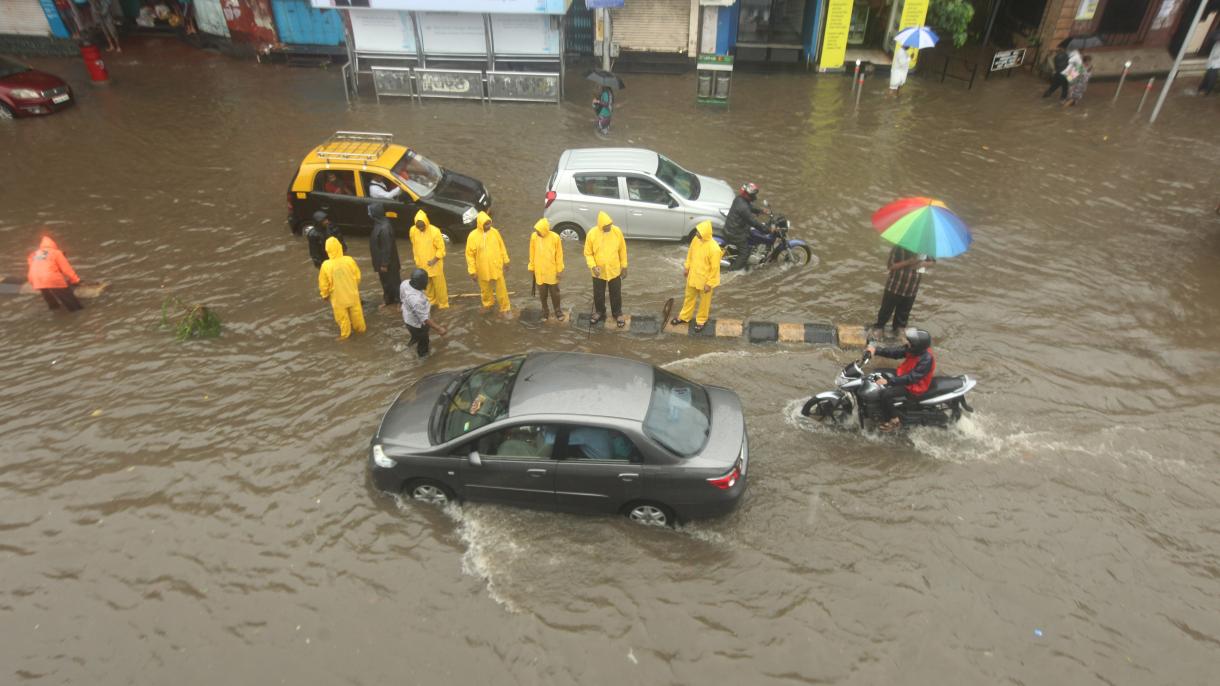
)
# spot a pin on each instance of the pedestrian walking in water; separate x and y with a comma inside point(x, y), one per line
point(417, 312)
point(603, 109)
point(899, 67)
point(900, 288)
point(1081, 81)
point(384, 251)
point(339, 282)
point(316, 235)
point(546, 263)
point(1208, 84)
point(606, 255)
point(1059, 80)
point(486, 261)
point(428, 251)
point(51, 275)
point(702, 272)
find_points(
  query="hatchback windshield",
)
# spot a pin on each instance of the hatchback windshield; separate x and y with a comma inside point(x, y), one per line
point(419, 173)
point(679, 415)
point(9, 67)
point(677, 178)
point(481, 398)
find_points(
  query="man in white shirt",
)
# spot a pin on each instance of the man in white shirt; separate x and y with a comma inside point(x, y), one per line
point(417, 312)
point(377, 189)
point(1213, 69)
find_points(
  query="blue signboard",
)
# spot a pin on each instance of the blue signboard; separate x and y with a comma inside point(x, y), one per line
point(53, 19)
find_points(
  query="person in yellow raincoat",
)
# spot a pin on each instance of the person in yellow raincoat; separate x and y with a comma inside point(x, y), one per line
point(606, 255)
point(339, 282)
point(546, 263)
point(486, 261)
point(428, 248)
point(702, 272)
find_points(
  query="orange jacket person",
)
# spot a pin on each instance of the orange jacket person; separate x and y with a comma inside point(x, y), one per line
point(339, 282)
point(52, 276)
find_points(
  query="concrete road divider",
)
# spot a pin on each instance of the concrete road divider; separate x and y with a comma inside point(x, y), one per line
point(818, 334)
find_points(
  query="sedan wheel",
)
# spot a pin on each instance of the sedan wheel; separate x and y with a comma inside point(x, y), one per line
point(5, 112)
point(649, 515)
point(429, 492)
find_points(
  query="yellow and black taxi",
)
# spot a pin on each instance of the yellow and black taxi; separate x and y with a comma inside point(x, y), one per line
point(352, 170)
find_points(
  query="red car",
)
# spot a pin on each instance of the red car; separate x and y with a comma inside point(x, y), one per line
point(25, 92)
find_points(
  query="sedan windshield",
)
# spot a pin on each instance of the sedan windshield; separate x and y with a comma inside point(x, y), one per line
point(679, 415)
point(677, 178)
point(9, 67)
point(419, 173)
point(481, 398)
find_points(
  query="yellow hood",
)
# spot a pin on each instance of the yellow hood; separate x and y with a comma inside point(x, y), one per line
point(603, 220)
point(483, 220)
point(543, 227)
point(334, 249)
point(422, 216)
point(704, 228)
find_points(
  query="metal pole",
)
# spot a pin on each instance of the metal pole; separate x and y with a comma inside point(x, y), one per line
point(605, 38)
point(995, 10)
point(859, 89)
point(855, 75)
point(1147, 90)
point(1121, 79)
point(1177, 63)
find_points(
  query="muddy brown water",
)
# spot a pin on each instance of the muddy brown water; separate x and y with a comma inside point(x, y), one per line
point(199, 513)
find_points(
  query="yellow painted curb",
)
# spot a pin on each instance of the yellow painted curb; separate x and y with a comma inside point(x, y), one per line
point(728, 328)
point(852, 336)
point(792, 333)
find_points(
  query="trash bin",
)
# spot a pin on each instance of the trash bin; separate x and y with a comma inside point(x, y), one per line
point(705, 85)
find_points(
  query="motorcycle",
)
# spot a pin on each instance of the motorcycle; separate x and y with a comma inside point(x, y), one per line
point(859, 393)
point(768, 246)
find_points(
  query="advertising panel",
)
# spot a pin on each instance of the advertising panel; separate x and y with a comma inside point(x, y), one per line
point(838, 21)
point(452, 33)
point(524, 34)
point(383, 32)
point(475, 6)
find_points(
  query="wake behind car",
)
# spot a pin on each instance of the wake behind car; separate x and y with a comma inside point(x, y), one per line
point(647, 194)
point(25, 92)
point(567, 431)
point(340, 175)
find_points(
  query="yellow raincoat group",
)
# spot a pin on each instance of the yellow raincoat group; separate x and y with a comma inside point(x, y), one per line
point(486, 257)
point(427, 245)
point(605, 250)
point(339, 282)
point(702, 271)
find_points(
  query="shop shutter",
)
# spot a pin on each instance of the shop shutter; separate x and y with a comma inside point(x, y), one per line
point(652, 25)
point(23, 17)
point(300, 24)
point(210, 17)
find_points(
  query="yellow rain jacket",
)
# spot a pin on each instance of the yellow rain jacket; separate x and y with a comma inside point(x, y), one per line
point(339, 282)
point(485, 251)
point(703, 259)
point(606, 249)
point(546, 254)
point(426, 245)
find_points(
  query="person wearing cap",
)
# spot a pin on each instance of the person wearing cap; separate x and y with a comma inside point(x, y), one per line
point(546, 263)
point(52, 276)
point(316, 235)
point(417, 312)
point(912, 378)
point(486, 261)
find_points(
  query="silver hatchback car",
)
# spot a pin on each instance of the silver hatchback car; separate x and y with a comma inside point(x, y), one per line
point(647, 194)
point(567, 431)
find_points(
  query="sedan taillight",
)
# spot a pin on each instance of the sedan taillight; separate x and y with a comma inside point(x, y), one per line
point(727, 481)
point(550, 198)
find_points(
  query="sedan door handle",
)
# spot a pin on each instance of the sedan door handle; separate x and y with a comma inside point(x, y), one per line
point(628, 476)
point(536, 472)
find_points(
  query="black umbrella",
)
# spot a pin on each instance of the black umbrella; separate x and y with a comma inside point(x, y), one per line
point(1081, 42)
point(605, 78)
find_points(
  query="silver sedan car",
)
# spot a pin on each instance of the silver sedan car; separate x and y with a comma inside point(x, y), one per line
point(567, 431)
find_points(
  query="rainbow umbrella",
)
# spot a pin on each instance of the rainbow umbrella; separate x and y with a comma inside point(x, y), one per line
point(923, 225)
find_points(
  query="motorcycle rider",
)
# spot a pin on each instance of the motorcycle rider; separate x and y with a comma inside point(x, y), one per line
point(912, 378)
point(737, 225)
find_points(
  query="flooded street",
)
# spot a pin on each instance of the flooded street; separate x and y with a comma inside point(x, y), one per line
point(199, 513)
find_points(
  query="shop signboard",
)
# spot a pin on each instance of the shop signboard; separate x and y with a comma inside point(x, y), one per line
point(394, 81)
point(524, 34)
point(449, 83)
point(838, 22)
point(466, 6)
point(1086, 9)
point(914, 13)
point(1007, 59)
point(522, 85)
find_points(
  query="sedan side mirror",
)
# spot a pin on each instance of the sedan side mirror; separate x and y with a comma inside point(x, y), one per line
point(475, 460)
point(672, 202)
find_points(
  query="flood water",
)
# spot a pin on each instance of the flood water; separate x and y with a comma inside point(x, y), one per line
point(199, 513)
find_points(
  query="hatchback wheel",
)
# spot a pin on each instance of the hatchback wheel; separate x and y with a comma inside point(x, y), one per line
point(650, 514)
point(429, 492)
point(570, 232)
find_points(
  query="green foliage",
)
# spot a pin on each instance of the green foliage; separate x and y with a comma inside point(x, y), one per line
point(951, 19)
point(189, 321)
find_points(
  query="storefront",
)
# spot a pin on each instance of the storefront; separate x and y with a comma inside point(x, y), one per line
point(864, 30)
point(33, 27)
point(653, 26)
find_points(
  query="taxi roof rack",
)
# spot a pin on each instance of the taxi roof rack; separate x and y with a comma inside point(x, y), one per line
point(355, 145)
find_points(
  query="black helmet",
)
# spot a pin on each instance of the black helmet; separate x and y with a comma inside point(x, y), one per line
point(749, 190)
point(418, 280)
point(918, 339)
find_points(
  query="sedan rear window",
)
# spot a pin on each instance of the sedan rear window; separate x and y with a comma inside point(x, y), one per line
point(481, 398)
point(679, 415)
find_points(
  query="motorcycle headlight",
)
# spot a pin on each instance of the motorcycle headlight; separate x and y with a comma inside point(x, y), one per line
point(25, 94)
point(469, 215)
point(724, 212)
point(381, 459)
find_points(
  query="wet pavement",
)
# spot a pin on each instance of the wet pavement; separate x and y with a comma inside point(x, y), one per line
point(199, 512)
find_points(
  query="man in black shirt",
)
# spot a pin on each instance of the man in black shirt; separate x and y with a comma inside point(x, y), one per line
point(737, 225)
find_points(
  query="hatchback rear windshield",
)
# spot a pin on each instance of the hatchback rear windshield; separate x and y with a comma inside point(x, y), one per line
point(677, 178)
point(679, 414)
point(480, 398)
point(419, 173)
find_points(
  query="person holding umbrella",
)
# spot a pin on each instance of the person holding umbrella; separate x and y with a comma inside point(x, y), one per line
point(906, 42)
point(603, 104)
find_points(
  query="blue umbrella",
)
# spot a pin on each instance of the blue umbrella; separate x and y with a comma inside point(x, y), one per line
point(918, 37)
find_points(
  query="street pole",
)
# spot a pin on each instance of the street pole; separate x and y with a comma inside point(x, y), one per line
point(1126, 68)
point(1177, 63)
point(855, 75)
point(995, 10)
point(1147, 90)
point(605, 38)
point(859, 89)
